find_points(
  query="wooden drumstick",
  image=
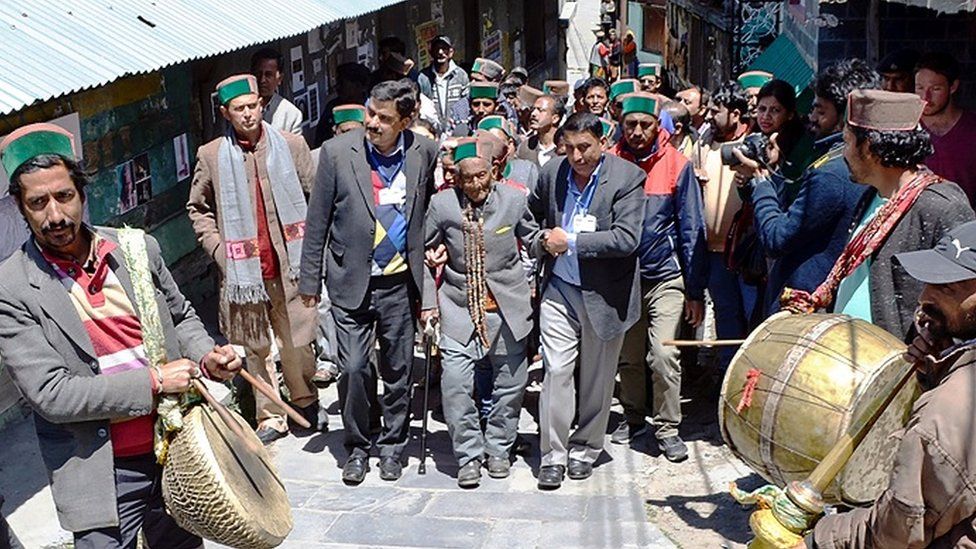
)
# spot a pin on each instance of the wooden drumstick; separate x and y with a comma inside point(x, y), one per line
point(702, 343)
point(269, 392)
point(221, 410)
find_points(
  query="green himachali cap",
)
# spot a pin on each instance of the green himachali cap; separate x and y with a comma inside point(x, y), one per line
point(236, 86)
point(753, 79)
point(639, 102)
point(466, 148)
point(34, 140)
point(620, 87)
point(648, 69)
point(484, 90)
point(496, 121)
point(349, 113)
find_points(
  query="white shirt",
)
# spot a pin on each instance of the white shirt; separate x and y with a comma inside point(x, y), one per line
point(283, 115)
point(441, 81)
point(546, 154)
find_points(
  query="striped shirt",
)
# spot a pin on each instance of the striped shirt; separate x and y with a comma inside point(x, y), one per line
point(114, 330)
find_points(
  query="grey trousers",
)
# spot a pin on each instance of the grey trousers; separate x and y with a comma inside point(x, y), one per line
point(509, 375)
point(567, 334)
point(662, 305)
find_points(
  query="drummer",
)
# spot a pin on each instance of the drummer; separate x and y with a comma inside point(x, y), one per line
point(931, 497)
point(72, 340)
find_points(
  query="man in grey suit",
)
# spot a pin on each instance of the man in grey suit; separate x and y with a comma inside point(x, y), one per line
point(366, 221)
point(591, 206)
point(484, 302)
point(72, 339)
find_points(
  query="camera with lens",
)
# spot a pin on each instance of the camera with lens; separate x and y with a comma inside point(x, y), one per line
point(753, 147)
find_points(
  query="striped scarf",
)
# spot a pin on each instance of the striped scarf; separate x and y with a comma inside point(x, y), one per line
point(861, 247)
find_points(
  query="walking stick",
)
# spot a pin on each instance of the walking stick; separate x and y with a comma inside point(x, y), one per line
point(430, 348)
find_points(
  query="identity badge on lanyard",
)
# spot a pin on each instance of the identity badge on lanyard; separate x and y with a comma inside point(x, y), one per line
point(583, 222)
point(389, 195)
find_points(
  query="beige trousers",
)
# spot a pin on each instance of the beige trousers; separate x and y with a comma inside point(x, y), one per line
point(297, 364)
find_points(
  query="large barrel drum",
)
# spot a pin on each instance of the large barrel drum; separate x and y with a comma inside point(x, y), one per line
point(221, 490)
point(793, 388)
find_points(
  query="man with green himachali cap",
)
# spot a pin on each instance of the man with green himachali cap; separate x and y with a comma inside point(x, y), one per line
point(248, 207)
point(483, 303)
point(673, 274)
point(483, 101)
point(88, 355)
point(649, 75)
point(522, 172)
point(348, 118)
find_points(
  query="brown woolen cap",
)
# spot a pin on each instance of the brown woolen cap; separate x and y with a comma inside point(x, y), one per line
point(527, 95)
point(556, 87)
point(883, 110)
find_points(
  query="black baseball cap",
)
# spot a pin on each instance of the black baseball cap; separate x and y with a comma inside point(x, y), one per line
point(952, 260)
point(442, 38)
point(899, 61)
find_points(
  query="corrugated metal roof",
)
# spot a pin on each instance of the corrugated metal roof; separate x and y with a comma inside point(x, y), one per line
point(52, 47)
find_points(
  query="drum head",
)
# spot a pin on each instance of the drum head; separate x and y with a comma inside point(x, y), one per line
point(218, 488)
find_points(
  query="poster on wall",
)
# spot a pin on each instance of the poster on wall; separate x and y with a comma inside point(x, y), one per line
point(182, 154)
point(352, 33)
point(297, 70)
point(491, 46)
point(313, 105)
point(437, 11)
point(135, 182)
point(425, 33)
point(301, 101)
point(71, 123)
point(315, 44)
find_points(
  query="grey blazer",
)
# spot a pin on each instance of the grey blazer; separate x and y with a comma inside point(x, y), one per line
point(607, 257)
point(342, 217)
point(507, 222)
point(51, 360)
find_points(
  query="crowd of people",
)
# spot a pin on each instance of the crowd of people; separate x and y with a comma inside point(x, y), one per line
point(587, 223)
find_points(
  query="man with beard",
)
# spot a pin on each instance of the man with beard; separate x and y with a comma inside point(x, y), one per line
point(930, 500)
point(377, 184)
point(672, 262)
point(952, 129)
point(897, 71)
point(483, 302)
point(906, 208)
point(805, 239)
point(92, 355)
point(547, 115)
point(442, 80)
point(482, 101)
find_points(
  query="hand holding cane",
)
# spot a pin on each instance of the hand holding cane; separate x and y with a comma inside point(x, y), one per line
point(430, 348)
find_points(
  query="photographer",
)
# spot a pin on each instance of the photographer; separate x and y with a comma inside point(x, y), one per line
point(806, 239)
point(732, 299)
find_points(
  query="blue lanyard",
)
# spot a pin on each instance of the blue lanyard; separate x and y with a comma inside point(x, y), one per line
point(384, 172)
point(586, 197)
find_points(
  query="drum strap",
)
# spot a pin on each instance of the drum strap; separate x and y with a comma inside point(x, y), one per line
point(170, 408)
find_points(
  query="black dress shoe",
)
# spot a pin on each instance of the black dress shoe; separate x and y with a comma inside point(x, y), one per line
point(315, 415)
point(354, 471)
point(551, 476)
point(267, 435)
point(390, 468)
point(579, 470)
